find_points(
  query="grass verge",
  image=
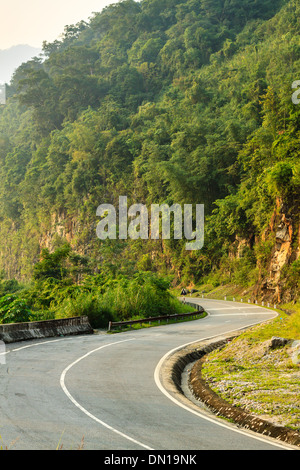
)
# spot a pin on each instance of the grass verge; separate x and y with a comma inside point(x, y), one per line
point(263, 381)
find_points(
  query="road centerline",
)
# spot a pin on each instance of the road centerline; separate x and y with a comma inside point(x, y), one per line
point(90, 415)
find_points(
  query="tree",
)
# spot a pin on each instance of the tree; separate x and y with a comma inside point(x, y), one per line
point(52, 265)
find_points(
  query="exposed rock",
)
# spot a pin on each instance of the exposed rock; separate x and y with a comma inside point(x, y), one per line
point(282, 234)
point(285, 228)
point(277, 342)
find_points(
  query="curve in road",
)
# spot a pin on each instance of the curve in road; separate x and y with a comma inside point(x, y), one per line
point(106, 390)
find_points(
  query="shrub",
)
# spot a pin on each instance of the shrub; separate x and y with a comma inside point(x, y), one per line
point(13, 309)
point(85, 303)
point(143, 296)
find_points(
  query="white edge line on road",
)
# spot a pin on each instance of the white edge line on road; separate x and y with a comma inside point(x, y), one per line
point(29, 346)
point(90, 415)
point(242, 306)
point(41, 343)
point(157, 381)
point(245, 314)
point(198, 413)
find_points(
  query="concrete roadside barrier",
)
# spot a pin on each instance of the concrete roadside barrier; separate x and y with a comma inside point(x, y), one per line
point(13, 332)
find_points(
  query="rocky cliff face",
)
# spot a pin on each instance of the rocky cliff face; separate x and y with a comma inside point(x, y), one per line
point(20, 248)
point(285, 225)
point(79, 233)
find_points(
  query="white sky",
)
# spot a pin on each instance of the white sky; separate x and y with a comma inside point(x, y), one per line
point(34, 21)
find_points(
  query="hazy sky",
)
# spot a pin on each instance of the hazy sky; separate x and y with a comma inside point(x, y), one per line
point(34, 21)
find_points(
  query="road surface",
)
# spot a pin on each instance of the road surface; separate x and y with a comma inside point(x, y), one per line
point(104, 390)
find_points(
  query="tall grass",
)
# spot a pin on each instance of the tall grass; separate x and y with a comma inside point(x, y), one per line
point(122, 301)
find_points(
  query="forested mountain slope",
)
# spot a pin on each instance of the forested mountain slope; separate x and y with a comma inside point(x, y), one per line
point(162, 101)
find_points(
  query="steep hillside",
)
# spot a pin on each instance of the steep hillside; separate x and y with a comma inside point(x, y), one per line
point(171, 101)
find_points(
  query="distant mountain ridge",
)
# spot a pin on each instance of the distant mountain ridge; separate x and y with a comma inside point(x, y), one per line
point(12, 58)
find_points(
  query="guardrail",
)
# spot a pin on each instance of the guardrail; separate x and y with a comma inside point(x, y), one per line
point(234, 299)
point(175, 316)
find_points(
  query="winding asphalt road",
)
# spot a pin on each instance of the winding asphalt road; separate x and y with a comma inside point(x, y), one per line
point(106, 390)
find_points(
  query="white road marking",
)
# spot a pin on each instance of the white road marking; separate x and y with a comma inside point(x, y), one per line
point(30, 346)
point(37, 344)
point(237, 314)
point(199, 413)
point(157, 381)
point(90, 415)
point(235, 308)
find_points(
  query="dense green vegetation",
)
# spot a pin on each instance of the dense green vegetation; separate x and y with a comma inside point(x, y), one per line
point(62, 286)
point(163, 101)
